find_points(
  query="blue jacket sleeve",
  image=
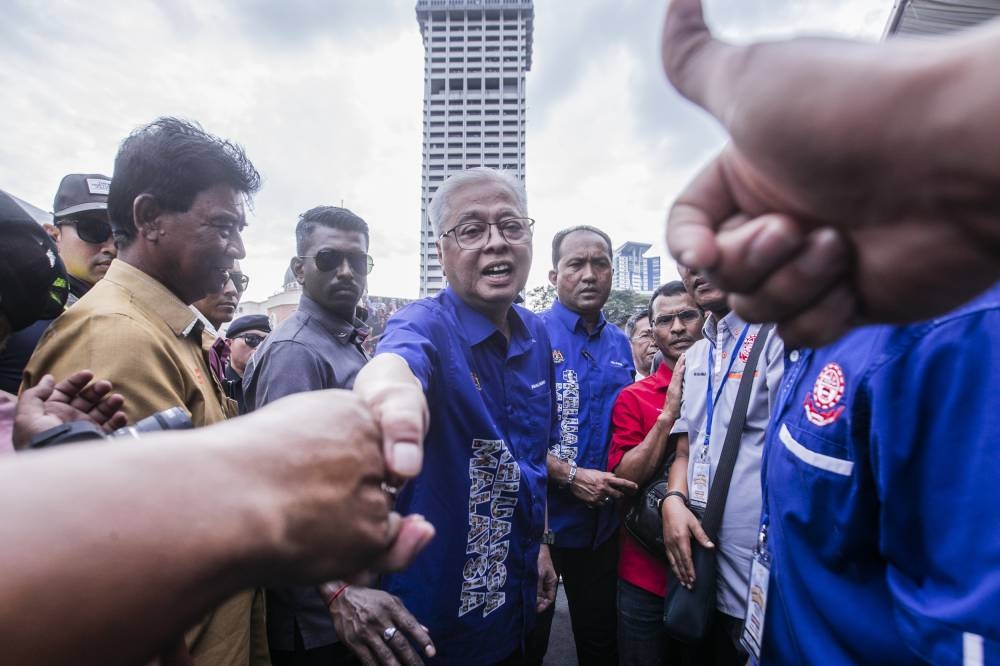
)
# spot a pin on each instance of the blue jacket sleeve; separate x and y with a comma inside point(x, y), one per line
point(935, 456)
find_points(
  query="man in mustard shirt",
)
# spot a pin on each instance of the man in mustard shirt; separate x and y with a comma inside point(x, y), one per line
point(177, 210)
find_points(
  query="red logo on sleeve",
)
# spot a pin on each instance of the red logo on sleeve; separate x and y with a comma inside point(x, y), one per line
point(822, 405)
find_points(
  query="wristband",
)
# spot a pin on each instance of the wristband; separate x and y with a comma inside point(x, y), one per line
point(329, 599)
point(675, 493)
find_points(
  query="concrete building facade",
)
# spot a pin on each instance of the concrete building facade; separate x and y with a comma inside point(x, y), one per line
point(476, 55)
point(633, 270)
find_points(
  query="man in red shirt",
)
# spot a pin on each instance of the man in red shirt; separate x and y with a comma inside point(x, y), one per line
point(641, 421)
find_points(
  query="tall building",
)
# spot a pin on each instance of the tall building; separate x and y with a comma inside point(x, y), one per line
point(633, 271)
point(476, 54)
point(928, 18)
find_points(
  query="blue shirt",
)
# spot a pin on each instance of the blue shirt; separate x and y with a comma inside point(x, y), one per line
point(591, 369)
point(482, 486)
point(881, 484)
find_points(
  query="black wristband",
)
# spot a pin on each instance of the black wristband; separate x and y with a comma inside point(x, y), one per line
point(676, 493)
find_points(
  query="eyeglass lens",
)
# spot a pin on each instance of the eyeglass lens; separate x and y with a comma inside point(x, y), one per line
point(474, 235)
point(240, 280)
point(90, 230)
point(252, 339)
point(329, 260)
point(685, 316)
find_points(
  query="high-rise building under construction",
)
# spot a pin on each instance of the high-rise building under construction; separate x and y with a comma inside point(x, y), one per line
point(476, 54)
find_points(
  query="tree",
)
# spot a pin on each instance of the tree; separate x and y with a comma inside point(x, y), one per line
point(622, 304)
point(541, 298)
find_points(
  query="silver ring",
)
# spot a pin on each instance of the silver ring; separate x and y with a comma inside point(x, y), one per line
point(389, 632)
point(606, 500)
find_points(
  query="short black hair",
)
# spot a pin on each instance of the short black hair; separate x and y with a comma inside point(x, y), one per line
point(672, 288)
point(327, 216)
point(561, 235)
point(173, 160)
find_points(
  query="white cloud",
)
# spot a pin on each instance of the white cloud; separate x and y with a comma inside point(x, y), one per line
point(326, 98)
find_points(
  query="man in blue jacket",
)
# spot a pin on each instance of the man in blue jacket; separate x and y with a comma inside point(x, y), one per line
point(879, 532)
point(485, 367)
point(593, 362)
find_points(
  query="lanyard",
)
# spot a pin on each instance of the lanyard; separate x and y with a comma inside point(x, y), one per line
point(709, 401)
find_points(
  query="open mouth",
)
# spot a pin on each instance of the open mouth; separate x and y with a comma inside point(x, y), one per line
point(499, 270)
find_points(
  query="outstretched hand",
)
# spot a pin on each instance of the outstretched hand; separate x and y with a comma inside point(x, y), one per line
point(851, 184)
point(48, 404)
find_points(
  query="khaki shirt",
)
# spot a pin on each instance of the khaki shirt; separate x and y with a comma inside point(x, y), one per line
point(133, 331)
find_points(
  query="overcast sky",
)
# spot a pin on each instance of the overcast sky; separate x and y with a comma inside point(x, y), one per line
point(325, 95)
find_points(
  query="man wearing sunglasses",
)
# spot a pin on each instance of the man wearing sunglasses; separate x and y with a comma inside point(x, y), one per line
point(242, 339)
point(82, 231)
point(216, 309)
point(319, 347)
point(83, 237)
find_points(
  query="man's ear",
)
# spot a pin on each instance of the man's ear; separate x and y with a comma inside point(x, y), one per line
point(146, 216)
point(437, 244)
point(552, 277)
point(53, 231)
point(297, 265)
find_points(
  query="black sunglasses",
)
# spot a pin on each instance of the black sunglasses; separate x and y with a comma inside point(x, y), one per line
point(329, 260)
point(252, 339)
point(89, 230)
point(240, 280)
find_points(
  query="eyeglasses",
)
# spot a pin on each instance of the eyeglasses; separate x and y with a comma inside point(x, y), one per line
point(88, 229)
point(329, 260)
point(252, 339)
point(645, 336)
point(240, 280)
point(475, 235)
point(685, 317)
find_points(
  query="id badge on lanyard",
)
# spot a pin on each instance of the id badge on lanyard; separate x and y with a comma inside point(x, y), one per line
point(752, 635)
point(701, 479)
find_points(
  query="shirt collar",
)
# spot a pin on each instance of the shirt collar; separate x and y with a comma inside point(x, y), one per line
point(730, 323)
point(211, 330)
point(154, 296)
point(574, 321)
point(477, 327)
point(662, 376)
point(341, 329)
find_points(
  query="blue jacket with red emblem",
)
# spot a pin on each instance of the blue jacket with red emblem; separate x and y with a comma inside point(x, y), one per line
point(881, 488)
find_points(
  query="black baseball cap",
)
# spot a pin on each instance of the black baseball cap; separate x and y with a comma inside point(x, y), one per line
point(81, 192)
point(33, 282)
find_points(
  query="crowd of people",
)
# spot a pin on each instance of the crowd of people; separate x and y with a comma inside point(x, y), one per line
point(422, 505)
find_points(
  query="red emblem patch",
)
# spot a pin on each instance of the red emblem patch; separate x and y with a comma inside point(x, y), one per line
point(822, 405)
point(557, 356)
point(747, 347)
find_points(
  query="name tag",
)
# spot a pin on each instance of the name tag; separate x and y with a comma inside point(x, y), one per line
point(753, 624)
point(699, 484)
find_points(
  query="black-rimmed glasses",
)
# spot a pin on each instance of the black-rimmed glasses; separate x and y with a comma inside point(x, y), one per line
point(475, 235)
point(685, 316)
point(88, 229)
point(329, 260)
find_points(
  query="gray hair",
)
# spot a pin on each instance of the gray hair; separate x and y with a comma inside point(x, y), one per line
point(634, 320)
point(439, 209)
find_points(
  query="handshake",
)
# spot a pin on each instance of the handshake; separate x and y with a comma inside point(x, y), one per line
point(156, 532)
